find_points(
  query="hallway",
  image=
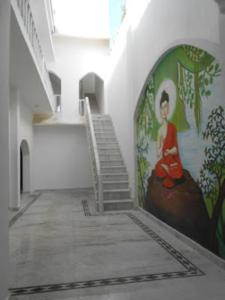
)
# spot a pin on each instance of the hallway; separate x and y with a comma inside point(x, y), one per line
point(61, 250)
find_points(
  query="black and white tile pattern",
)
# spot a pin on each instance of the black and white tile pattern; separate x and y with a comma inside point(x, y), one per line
point(189, 269)
point(100, 283)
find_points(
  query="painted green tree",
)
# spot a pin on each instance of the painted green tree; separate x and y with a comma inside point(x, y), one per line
point(145, 126)
point(196, 78)
point(212, 177)
point(143, 166)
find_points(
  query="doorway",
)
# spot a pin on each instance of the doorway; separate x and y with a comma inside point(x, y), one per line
point(24, 167)
point(92, 86)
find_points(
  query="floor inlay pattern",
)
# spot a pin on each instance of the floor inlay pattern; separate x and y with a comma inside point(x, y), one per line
point(171, 250)
point(190, 270)
point(100, 283)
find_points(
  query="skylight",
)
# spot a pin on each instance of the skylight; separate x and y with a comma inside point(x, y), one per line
point(82, 18)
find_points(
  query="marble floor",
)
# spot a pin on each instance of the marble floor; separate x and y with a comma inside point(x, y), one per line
point(26, 200)
point(61, 249)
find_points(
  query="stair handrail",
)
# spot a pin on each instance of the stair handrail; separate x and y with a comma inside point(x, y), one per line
point(94, 156)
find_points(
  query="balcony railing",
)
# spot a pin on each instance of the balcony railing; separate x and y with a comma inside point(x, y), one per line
point(25, 12)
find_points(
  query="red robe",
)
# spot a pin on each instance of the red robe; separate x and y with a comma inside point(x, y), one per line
point(172, 162)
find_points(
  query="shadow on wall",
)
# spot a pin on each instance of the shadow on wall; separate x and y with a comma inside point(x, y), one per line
point(180, 145)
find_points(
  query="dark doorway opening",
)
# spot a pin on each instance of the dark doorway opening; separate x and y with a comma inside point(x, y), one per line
point(21, 170)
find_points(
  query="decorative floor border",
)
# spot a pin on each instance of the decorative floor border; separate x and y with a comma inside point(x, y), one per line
point(48, 288)
point(166, 246)
point(190, 270)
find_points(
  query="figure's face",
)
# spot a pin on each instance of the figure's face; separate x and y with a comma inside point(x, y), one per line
point(164, 110)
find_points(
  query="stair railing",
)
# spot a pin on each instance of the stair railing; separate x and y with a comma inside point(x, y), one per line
point(97, 178)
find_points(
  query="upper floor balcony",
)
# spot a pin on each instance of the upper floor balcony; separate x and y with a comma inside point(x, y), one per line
point(30, 47)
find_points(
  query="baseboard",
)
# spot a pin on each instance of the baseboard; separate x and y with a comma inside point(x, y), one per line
point(205, 252)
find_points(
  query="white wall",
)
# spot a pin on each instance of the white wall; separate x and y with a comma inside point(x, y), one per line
point(74, 59)
point(4, 145)
point(20, 129)
point(61, 157)
point(25, 132)
point(164, 24)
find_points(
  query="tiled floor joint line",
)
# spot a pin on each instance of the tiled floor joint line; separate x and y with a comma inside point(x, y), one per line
point(190, 269)
point(22, 211)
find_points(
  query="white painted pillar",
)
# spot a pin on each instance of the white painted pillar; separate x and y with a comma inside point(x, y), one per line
point(14, 201)
point(4, 145)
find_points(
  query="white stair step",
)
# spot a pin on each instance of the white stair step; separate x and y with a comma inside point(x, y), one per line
point(109, 151)
point(116, 205)
point(107, 147)
point(102, 120)
point(113, 170)
point(112, 185)
point(102, 145)
point(112, 163)
point(113, 177)
point(111, 160)
point(103, 135)
point(110, 157)
point(116, 194)
point(102, 125)
point(101, 130)
point(106, 140)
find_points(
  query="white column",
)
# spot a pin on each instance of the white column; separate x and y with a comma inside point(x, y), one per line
point(4, 145)
point(14, 202)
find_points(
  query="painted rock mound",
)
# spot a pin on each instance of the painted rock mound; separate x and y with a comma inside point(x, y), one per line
point(181, 207)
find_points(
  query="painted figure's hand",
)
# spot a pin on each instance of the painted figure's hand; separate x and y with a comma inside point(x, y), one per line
point(167, 152)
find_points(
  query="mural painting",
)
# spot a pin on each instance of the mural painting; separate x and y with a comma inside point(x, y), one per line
point(180, 148)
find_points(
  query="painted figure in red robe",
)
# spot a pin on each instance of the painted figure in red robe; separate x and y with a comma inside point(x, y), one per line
point(169, 166)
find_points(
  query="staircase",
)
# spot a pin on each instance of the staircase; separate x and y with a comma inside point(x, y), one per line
point(115, 185)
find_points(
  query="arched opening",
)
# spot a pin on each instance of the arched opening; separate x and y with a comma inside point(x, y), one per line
point(92, 86)
point(24, 167)
point(56, 87)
